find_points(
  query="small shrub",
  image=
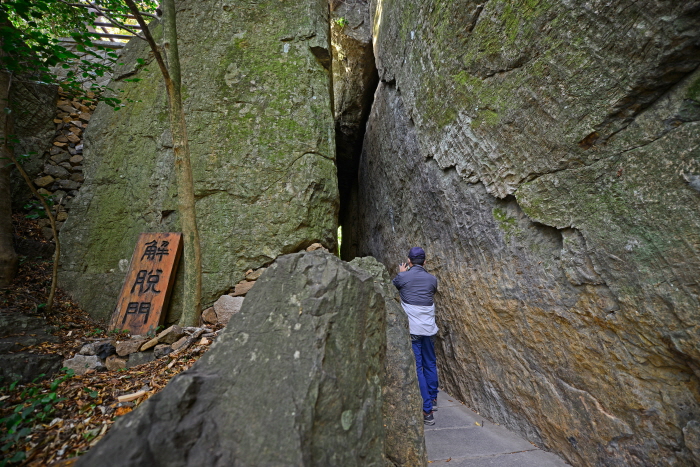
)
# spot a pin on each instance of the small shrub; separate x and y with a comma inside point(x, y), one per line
point(35, 408)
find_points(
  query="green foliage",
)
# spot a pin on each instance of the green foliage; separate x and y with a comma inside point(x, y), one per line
point(341, 22)
point(35, 210)
point(152, 332)
point(91, 392)
point(36, 407)
point(30, 45)
point(95, 332)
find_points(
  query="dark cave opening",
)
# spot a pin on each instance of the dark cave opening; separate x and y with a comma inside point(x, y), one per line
point(353, 100)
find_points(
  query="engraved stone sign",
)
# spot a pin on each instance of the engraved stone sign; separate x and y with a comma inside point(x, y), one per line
point(148, 283)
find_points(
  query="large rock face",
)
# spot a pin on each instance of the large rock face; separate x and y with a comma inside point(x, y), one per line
point(547, 157)
point(294, 380)
point(402, 404)
point(260, 125)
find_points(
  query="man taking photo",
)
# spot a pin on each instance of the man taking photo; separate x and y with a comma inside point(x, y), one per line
point(417, 288)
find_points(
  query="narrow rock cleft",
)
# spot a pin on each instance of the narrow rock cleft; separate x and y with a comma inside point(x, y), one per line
point(355, 79)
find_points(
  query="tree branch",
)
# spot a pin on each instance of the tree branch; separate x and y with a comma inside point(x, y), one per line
point(149, 38)
point(83, 5)
point(106, 14)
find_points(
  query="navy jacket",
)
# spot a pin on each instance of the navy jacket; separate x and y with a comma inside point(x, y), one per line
point(416, 286)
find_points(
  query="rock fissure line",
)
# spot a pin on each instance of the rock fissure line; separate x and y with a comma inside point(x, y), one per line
point(626, 121)
point(475, 17)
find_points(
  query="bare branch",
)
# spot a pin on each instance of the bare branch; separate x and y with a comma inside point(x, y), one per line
point(105, 13)
point(112, 20)
point(149, 38)
point(83, 5)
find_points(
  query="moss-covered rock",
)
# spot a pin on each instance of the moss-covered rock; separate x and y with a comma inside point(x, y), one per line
point(260, 127)
point(547, 157)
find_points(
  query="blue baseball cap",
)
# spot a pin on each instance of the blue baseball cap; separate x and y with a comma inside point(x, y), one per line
point(416, 252)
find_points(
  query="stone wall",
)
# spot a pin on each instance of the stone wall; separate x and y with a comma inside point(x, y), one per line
point(61, 175)
point(546, 155)
point(48, 122)
point(257, 97)
point(94, 55)
point(33, 107)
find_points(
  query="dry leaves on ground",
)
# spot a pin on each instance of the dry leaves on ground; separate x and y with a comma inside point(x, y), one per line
point(64, 421)
point(89, 405)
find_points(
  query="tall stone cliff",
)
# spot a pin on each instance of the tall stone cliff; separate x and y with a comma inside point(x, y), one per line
point(256, 85)
point(547, 157)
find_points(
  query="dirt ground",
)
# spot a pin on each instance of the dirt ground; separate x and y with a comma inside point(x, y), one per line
point(51, 422)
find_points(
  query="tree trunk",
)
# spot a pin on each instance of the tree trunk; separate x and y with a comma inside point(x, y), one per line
point(8, 257)
point(52, 220)
point(183, 168)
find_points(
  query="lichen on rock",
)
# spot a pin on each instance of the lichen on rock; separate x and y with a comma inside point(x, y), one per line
point(549, 176)
point(260, 128)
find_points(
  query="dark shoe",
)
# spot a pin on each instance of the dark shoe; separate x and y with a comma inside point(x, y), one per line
point(428, 418)
point(435, 406)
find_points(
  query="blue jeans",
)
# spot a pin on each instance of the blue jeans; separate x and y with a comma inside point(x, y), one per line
point(424, 350)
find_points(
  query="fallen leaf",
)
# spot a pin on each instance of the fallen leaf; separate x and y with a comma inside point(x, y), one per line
point(122, 411)
point(88, 403)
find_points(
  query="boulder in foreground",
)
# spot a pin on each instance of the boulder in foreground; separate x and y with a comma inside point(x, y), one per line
point(295, 379)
